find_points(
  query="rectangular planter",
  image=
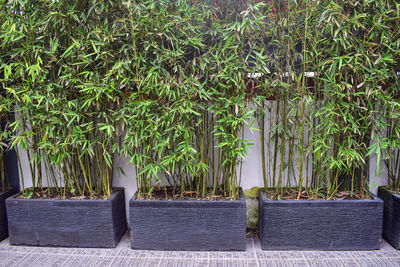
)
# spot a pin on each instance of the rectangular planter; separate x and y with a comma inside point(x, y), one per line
point(3, 215)
point(67, 223)
point(320, 224)
point(391, 216)
point(188, 224)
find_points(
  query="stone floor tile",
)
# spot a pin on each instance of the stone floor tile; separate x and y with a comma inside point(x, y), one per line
point(233, 262)
point(22, 249)
point(140, 253)
point(279, 255)
point(55, 250)
point(43, 260)
point(378, 262)
point(125, 242)
point(142, 262)
point(283, 263)
point(184, 263)
point(376, 254)
point(385, 245)
point(92, 261)
point(331, 262)
point(186, 254)
point(232, 255)
point(257, 243)
point(249, 244)
point(101, 252)
point(11, 258)
point(4, 243)
point(123, 255)
point(327, 254)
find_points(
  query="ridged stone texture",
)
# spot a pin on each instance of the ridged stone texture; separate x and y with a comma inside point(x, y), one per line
point(188, 224)
point(320, 224)
point(3, 215)
point(391, 216)
point(67, 223)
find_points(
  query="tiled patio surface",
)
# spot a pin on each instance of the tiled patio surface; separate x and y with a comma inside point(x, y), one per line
point(123, 255)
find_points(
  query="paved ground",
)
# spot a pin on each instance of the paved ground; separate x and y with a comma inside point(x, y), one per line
point(123, 255)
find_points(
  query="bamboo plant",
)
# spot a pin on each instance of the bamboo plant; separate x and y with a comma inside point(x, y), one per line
point(184, 76)
point(387, 143)
point(321, 127)
point(56, 60)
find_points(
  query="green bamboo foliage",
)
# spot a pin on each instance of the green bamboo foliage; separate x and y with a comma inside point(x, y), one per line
point(387, 147)
point(56, 63)
point(184, 74)
point(286, 82)
point(167, 85)
point(328, 121)
point(160, 82)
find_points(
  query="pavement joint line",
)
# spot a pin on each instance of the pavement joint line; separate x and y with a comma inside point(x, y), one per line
point(255, 253)
point(304, 257)
point(62, 264)
point(111, 262)
point(54, 254)
point(162, 256)
point(159, 262)
point(22, 252)
point(27, 254)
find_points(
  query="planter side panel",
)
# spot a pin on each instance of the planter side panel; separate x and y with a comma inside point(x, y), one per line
point(219, 227)
point(119, 216)
point(391, 216)
point(304, 226)
point(3, 214)
point(64, 223)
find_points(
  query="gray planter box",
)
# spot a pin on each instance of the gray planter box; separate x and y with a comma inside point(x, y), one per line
point(3, 215)
point(320, 224)
point(67, 223)
point(391, 216)
point(188, 225)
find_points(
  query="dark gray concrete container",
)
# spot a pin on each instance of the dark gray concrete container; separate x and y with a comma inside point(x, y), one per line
point(320, 224)
point(391, 216)
point(3, 214)
point(188, 224)
point(67, 223)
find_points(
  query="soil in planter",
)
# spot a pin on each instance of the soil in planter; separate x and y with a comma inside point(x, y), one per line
point(321, 195)
point(54, 194)
point(160, 193)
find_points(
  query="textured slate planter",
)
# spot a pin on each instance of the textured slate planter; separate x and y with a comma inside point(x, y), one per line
point(188, 225)
point(67, 223)
point(391, 216)
point(3, 215)
point(320, 224)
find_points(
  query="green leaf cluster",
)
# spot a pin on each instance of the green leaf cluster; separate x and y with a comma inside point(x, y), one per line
point(333, 121)
point(162, 83)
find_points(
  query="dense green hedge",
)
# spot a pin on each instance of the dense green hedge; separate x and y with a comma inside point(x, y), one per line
point(324, 127)
point(166, 84)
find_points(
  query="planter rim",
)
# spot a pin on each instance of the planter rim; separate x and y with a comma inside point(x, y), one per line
point(375, 199)
point(187, 203)
point(384, 187)
point(113, 195)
